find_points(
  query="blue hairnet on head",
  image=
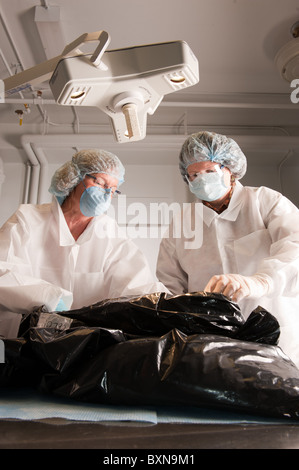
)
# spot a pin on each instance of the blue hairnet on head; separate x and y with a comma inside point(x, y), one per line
point(209, 146)
point(85, 162)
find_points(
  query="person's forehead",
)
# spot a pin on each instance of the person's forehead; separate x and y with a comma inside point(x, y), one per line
point(104, 176)
point(198, 166)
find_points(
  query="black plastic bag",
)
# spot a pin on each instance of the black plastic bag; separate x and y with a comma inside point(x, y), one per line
point(199, 312)
point(198, 370)
point(194, 349)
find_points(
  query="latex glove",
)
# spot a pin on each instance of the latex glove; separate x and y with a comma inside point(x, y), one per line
point(61, 307)
point(236, 286)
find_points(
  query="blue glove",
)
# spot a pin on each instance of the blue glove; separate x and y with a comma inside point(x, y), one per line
point(60, 306)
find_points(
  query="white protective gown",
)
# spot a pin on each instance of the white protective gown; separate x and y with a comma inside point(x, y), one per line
point(257, 233)
point(41, 263)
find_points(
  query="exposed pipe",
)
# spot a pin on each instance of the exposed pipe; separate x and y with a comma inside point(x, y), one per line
point(43, 162)
point(9, 69)
point(35, 171)
point(208, 104)
point(176, 104)
point(37, 101)
point(9, 37)
point(27, 183)
point(34, 144)
point(251, 142)
point(44, 4)
point(39, 168)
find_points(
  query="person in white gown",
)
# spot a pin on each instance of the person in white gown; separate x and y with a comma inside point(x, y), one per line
point(69, 254)
point(249, 237)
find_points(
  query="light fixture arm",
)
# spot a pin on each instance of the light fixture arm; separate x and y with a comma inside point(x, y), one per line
point(126, 84)
point(43, 72)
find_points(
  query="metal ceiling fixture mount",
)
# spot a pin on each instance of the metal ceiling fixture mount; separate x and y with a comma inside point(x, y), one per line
point(287, 58)
point(126, 84)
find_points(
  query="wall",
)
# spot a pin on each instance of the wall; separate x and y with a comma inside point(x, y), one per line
point(152, 176)
point(12, 188)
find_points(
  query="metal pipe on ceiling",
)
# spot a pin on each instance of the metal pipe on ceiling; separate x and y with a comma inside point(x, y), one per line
point(32, 185)
point(174, 104)
point(14, 48)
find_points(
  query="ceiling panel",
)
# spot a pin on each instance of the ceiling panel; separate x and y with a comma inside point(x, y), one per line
point(235, 42)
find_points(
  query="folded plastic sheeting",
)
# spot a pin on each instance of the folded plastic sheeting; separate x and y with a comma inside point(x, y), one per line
point(193, 350)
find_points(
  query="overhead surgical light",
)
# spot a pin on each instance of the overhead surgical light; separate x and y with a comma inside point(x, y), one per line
point(126, 84)
point(287, 58)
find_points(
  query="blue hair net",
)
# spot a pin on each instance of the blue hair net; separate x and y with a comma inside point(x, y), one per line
point(85, 162)
point(209, 146)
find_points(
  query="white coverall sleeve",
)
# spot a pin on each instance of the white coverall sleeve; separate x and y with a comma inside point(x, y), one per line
point(282, 265)
point(127, 272)
point(169, 270)
point(20, 292)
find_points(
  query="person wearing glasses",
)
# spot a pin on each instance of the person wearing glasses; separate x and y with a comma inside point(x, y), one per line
point(249, 236)
point(69, 254)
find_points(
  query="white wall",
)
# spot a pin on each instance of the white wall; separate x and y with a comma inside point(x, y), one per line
point(146, 188)
point(152, 176)
point(12, 189)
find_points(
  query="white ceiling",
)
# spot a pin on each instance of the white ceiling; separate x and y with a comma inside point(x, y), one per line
point(235, 42)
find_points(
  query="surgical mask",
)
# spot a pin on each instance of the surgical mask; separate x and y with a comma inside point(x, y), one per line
point(95, 201)
point(208, 186)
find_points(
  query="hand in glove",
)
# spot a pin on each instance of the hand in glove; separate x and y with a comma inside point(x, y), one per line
point(236, 287)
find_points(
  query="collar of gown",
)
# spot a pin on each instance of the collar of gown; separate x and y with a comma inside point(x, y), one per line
point(65, 236)
point(233, 209)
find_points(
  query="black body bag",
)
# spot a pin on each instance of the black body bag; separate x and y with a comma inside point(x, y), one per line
point(193, 349)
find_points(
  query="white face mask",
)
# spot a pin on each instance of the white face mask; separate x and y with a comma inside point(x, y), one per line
point(208, 186)
point(95, 201)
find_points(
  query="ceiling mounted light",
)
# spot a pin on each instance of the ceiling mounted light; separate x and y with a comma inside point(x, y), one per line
point(126, 84)
point(78, 95)
point(287, 58)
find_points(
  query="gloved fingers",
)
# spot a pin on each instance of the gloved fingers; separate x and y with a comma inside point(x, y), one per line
point(239, 294)
point(219, 284)
point(236, 286)
point(214, 284)
point(228, 285)
point(232, 289)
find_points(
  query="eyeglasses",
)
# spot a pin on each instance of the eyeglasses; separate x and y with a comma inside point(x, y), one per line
point(193, 175)
point(101, 183)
